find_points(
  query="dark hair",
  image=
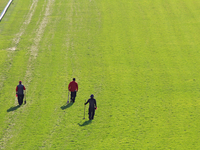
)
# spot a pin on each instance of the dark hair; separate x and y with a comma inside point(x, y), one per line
point(74, 79)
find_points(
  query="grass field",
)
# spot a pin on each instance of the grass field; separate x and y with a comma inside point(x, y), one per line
point(140, 59)
point(3, 4)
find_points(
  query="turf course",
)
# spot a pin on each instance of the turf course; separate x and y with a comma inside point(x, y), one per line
point(3, 3)
point(140, 59)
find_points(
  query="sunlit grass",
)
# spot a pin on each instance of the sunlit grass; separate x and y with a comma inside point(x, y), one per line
point(139, 58)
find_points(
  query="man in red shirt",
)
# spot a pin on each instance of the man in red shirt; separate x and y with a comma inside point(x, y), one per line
point(73, 88)
point(20, 92)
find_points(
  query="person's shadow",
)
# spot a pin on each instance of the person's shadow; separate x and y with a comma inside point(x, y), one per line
point(66, 106)
point(85, 123)
point(13, 108)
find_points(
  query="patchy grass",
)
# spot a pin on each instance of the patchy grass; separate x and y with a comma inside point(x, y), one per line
point(140, 59)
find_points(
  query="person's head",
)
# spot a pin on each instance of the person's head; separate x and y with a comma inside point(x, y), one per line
point(92, 96)
point(74, 79)
point(20, 82)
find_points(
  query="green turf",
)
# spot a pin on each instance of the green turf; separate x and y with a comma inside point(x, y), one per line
point(139, 58)
point(3, 4)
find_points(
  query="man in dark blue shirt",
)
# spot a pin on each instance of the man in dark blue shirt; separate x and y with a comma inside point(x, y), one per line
point(20, 92)
point(92, 106)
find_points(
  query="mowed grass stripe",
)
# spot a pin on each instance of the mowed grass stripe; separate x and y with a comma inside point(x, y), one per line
point(10, 40)
point(38, 99)
point(12, 68)
point(69, 135)
point(160, 76)
point(6, 41)
point(20, 71)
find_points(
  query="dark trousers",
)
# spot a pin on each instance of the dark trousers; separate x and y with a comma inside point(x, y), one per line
point(20, 99)
point(91, 113)
point(73, 96)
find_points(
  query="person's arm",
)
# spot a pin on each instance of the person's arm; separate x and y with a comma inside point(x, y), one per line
point(86, 102)
point(16, 91)
point(69, 86)
point(24, 88)
point(76, 86)
point(95, 104)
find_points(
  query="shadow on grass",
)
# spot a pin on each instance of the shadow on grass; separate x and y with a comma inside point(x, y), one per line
point(85, 123)
point(66, 106)
point(13, 108)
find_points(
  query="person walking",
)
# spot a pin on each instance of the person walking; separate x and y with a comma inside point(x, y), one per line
point(73, 88)
point(20, 92)
point(92, 107)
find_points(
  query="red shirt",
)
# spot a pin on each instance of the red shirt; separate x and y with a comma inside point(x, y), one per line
point(73, 86)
